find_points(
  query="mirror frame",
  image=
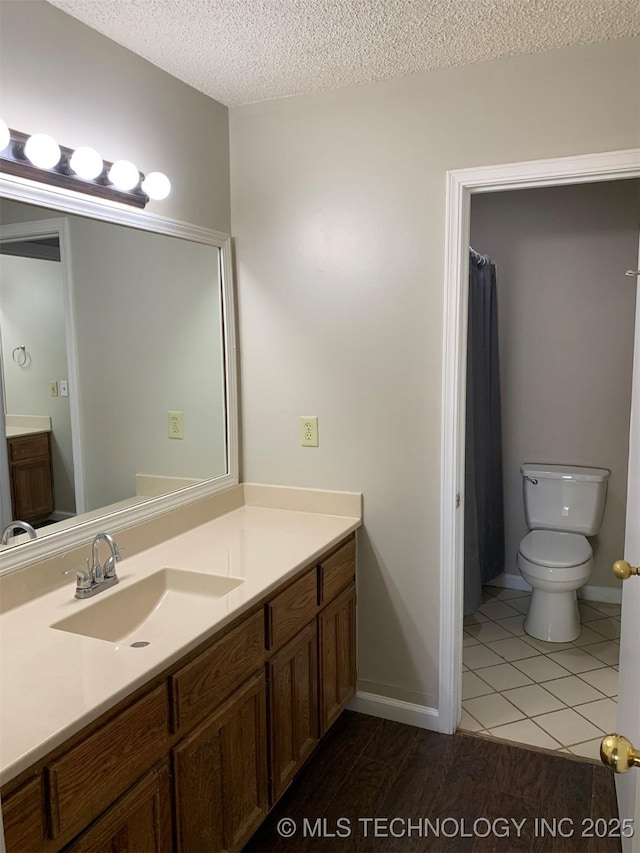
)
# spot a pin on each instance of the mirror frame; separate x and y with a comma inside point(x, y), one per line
point(57, 199)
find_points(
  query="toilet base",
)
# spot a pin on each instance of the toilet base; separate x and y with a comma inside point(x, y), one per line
point(553, 616)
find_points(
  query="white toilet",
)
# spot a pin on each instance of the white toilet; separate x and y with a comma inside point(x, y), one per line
point(563, 505)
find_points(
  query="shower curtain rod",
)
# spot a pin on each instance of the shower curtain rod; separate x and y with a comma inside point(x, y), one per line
point(477, 257)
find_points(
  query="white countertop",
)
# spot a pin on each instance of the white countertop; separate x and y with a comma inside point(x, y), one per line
point(53, 683)
point(13, 432)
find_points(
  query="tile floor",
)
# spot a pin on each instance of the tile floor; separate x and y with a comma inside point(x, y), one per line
point(559, 696)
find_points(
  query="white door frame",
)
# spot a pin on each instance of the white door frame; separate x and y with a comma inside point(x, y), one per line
point(59, 228)
point(586, 168)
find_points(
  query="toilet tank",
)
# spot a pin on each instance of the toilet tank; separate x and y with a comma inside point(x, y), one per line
point(564, 497)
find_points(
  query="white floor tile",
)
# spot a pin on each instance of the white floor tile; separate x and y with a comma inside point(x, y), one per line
point(504, 677)
point(587, 635)
point(533, 700)
point(468, 724)
point(488, 632)
point(525, 731)
point(567, 726)
point(469, 639)
point(609, 628)
point(572, 690)
point(606, 608)
point(493, 710)
point(608, 652)
point(473, 686)
point(520, 604)
point(478, 656)
point(605, 680)
point(513, 649)
point(513, 624)
point(474, 619)
point(500, 610)
point(575, 660)
point(588, 749)
point(504, 594)
point(541, 668)
point(587, 613)
point(601, 713)
point(544, 647)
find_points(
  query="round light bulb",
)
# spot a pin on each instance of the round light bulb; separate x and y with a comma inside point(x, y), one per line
point(42, 150)
point(156, 185)
point(5, 136)
point(124, 175)
point(86, 163)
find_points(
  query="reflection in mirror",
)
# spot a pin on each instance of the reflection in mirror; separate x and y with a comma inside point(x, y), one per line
point(113, 363)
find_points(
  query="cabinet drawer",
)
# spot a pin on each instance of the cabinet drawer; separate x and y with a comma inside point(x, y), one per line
point(22, 815)
point(290, 611)
point(28, 447)
point(337, 571)
point(204, 683)
point(89, 777)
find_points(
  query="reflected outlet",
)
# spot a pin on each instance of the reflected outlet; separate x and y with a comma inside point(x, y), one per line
point(175, 425)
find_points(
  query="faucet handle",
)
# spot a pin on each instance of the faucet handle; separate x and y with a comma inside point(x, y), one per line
point(83, 578)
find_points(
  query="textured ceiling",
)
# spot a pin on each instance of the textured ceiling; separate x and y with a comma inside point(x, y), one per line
point(239, 51)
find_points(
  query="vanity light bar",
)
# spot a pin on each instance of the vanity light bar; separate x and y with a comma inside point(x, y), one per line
point(40, 158)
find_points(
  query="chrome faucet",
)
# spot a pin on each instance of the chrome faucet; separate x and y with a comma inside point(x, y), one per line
point(98, 576)
point(23, 525)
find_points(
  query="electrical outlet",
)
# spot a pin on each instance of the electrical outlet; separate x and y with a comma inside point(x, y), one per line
point(53, 388)
point(175, 425)
point(309, 431)
point(64, 388)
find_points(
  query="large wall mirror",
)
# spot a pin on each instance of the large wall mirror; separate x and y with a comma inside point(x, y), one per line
point(117, 366)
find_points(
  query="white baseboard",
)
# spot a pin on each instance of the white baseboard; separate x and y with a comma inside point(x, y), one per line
point(610, 594)
point(394, 709)
point(601, 593)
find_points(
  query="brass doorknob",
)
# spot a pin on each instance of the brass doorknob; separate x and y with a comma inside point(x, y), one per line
point(624, 570)
point(617, 752)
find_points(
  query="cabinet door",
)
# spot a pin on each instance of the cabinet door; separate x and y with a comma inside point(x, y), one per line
point(293, 702)
point(23, 817)
point(337, 625)
point(139, 821)
point(221, 775)
point(32, 490)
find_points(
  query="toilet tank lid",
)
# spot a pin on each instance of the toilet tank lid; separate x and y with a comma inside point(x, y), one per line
point(564, 472)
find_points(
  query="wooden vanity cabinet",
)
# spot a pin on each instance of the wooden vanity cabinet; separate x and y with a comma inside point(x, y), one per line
point(31, 476)
point(337, 637)
point(221, 774)
point(195, 759)
point(293, 706)
point(139, 821)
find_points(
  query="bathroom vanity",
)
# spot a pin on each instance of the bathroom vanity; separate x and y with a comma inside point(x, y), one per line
point(194, 757)
point(31, 475)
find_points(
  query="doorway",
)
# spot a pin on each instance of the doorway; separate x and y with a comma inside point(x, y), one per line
point(38, 377)
point(460, 186)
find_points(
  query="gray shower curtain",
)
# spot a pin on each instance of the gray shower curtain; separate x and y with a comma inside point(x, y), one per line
point(483, 508)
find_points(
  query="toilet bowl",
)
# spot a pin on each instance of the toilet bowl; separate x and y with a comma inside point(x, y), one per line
point(555, 565)
point(563, 505)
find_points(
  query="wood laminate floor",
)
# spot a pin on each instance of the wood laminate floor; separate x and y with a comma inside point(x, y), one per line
point(466, 786)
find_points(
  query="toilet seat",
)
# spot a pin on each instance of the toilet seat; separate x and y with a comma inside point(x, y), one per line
point(555, 550)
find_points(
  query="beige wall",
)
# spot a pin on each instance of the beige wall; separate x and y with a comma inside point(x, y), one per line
point(338, 214)
point(63, 78)
point(566, 319)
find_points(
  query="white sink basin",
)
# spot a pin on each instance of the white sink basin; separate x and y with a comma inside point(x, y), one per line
point(152, 608)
